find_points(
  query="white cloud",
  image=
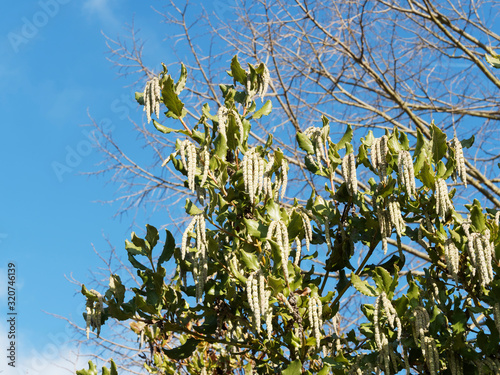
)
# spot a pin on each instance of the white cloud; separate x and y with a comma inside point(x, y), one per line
point(103, 10)
point(58, 356)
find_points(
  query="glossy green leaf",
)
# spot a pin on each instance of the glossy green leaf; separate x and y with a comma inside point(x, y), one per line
point(305, 143)
point(264, 110)
point(152, 236)
point(191, 208)
point(294, 368)
point(252, 228)
point(181, 83)
point(237, 72)
point(439, 146)
point(161, 128)
point(467, 143)
point(427, 176)
point(170, 98)
point(168, 248)
point(477, 217)
point(346, 138)
point(182, 352)
point(363, 286)
point(249, 260)
point(91, 371)
point(139, 96)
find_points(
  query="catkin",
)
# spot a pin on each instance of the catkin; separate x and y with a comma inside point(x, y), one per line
point(379, 152)
point(264, 83)
point(222, 114)
point(443, 202)
point(407, 173)
point(349, 173)
point(151, 97)
point(460, 161)
point(396, 217)
point(452, 256)
point(239, 124)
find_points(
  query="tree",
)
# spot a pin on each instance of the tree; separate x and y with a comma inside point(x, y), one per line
point(374, 65)
point(245, 296)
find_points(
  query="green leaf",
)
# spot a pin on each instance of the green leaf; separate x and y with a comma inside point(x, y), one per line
point(91, 371)
point(191, 209)
point(250, 260)
point(385, 281)
point(440, 169)
point(363, 286)
point(427, 176)
point(420, 152)
point(184, 351)
point(252, 228)
point(168, 249)
point(305, 143)
point(237, 71)
point(170, 98)
point(152, 235)
point(137, 246)
point(439, 146)
point(163, 129)
point(467, 143)
point(477, 217)
point(294, 368)
point(264, 110)
point(139, 96)
point(273, 210)
point(181, 83)
point(346, 138)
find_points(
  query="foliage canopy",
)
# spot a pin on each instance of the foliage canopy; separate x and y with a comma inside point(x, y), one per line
point(246, 297)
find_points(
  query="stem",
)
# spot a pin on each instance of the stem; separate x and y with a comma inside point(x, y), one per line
point(185, 126)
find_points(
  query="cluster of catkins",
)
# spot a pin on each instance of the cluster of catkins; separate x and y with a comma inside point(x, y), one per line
point(316, 317)
point(258, 299)
point(384, 304)
point(480, 250)
point(94, 311)
point(257, 175)
point(189, 158)
point(427, 344)
point(152, 97)
point(223, 119)
point(320, 139)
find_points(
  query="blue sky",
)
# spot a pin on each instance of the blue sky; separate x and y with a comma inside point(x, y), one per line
point(53, 70)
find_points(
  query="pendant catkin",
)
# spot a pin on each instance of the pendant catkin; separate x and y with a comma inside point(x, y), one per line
point(258, 299)
point(379, 152)
point(461, 169)
point(443, 202)
point(222, 114)
point(452, 257)
point(264, 83)
point(253, 173)
point(349, 173)
point(407, 173)
point(315, 318)
point(152, 98)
